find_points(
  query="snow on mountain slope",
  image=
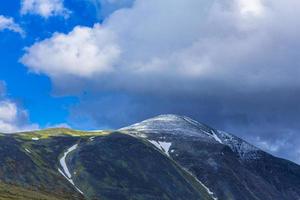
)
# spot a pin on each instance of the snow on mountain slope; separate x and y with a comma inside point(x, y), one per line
point(184, 126)
point(164, 146)
point(66, 173)
point(173, 125)
point(242, 148)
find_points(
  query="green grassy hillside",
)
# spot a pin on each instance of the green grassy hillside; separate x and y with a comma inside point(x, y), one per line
point(123, 167)
point(11, 192)
point(106, 165)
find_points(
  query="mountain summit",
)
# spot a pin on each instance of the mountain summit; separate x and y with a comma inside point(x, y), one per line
point(165, 157)
point(181, 127)
point(172, 124)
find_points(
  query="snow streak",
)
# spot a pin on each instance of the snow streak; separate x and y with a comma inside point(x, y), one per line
point(66, 173)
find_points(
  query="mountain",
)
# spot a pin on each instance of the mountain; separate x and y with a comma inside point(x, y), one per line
point(228, 165)
point(165, 157)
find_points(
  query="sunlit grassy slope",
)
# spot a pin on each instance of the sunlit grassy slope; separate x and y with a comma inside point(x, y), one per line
point(11, 192)
point(53, 132)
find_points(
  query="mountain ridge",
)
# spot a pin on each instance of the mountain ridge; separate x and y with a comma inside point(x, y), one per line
point(165, 157)
point(221, 153)
point(176, 124)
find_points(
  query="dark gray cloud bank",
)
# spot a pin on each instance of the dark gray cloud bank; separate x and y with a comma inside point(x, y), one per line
point(233, 64)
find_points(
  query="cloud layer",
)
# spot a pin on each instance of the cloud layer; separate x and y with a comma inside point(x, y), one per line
point(8, 23)
point(44, 8)
point(231, 63)
point(12, 117)
point(83, 52)
point(214, 40)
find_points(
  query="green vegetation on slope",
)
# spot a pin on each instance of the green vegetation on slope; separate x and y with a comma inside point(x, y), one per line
point(11, 192)
point(120, 166)
point(54, 132)
point(33, 164)
point(105, 165)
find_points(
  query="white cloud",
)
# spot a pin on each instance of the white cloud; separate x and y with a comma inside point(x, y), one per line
point(84, 52)
point(175, 40)
point(8, 23)
point(12, 117)
point(8, 111)
point(253, 7)
point(104, 8)
point(44, 8)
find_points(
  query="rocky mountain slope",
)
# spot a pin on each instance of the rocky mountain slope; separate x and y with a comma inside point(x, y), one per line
point(166, 157)
point(229, 166)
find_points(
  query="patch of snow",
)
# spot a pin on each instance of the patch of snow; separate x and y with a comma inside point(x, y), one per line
point(63, 160)
point(156, 144)
point(164, 123)
point(205, 187)
point(70, 180)
point(164, 146)
point(216, 137)
point(143, 135)
point(209, 191)
point(174, 125)
point(27, 150)
point(242, 148)
point(35, 138)
point(192, 121)
point(66, 173)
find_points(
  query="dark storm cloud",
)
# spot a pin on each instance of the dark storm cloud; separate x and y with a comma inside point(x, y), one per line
point(269, 120)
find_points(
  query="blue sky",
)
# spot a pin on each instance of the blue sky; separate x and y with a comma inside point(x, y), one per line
point(92, 64)
point(33, 91)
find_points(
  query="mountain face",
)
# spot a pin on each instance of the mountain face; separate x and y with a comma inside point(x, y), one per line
point(229, 166)
point(166, 157)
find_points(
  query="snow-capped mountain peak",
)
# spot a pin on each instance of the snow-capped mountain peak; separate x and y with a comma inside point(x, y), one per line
point(173, 124)
point(182, 126)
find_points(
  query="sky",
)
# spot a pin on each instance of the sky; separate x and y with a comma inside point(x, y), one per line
point(105, 64)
